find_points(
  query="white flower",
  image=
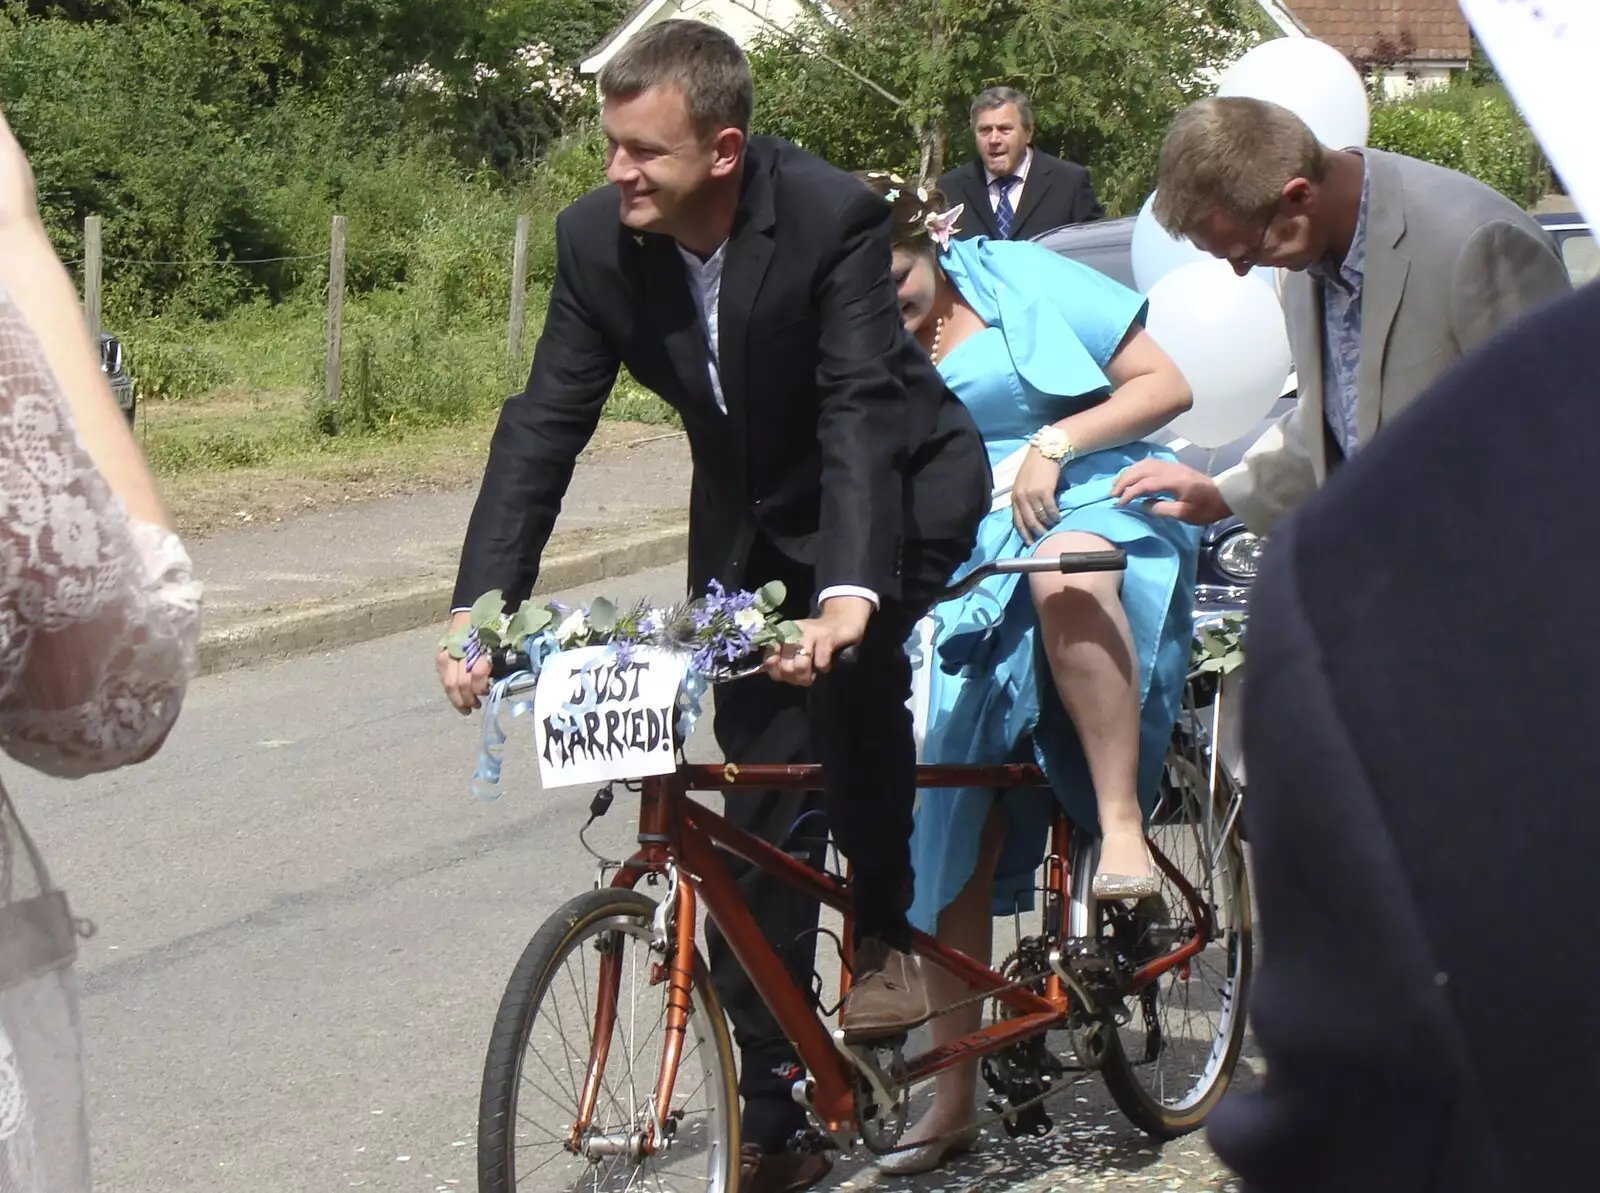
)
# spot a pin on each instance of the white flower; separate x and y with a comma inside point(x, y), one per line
point(74, 531)
point(749, 620)
point(572, 627)
point(422, 77)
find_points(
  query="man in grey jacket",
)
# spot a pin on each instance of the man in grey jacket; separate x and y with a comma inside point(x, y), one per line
point(1398, 268)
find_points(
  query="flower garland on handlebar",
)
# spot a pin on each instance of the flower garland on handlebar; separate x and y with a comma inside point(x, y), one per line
point(716, 631)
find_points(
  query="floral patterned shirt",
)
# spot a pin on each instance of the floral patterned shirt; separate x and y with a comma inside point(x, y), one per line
point(1341, 330)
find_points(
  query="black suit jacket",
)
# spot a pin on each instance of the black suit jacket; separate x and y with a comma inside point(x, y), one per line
point(1057, 192)
point(1420, 729)
point(840, 443)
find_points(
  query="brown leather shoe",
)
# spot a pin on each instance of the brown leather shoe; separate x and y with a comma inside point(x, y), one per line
point(888, 996)
point(780, 1172)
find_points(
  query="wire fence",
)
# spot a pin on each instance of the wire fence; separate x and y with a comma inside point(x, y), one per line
point(94, 260)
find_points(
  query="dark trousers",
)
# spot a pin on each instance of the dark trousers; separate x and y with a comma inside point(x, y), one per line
point(855, 722)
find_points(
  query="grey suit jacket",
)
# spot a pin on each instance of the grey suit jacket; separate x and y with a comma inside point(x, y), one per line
point(1448, 261)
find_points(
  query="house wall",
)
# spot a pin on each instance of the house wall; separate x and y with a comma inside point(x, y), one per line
point(736, 18)
point(1408, 80)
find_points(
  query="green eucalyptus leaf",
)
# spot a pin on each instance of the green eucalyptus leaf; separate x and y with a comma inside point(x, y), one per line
point(456, 643)
point(789, 633)
point(488, 607)
point(488, 637)
point(602, 616)
point(769, 597)
point(535, 619)
point(517, 627)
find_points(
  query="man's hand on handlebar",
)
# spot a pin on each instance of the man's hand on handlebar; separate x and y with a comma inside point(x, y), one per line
point(466, 688)
point(843, 623)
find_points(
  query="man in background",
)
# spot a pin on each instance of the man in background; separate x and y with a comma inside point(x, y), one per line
point(1397, 268)
point(1012, 191)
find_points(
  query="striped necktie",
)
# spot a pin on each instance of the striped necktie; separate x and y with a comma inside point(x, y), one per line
point(1004, 214)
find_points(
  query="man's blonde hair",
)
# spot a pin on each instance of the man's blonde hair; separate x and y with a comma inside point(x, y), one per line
point(1231, 155)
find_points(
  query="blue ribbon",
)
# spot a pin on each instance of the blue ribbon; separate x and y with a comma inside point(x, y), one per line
point(486, 779)
point(693, 687)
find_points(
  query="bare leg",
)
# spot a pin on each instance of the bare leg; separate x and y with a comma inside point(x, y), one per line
point(1086, 637)
point(967, 926)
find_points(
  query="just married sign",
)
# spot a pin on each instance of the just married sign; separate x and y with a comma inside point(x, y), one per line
point(600, 714)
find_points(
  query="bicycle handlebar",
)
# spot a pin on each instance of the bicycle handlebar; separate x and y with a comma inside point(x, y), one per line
point(504, 662)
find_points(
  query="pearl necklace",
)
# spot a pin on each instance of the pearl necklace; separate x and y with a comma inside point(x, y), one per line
point(938, 334)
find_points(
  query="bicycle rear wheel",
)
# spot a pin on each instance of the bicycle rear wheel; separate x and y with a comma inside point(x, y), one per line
point(597, 948)
point(1170, 1064)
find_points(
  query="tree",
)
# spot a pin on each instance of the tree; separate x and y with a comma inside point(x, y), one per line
point(890, 83)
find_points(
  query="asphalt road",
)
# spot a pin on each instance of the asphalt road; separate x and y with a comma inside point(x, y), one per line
point(304, 925)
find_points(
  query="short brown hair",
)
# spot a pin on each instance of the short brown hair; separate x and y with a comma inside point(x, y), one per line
point(909, 209)
point(700, 60)
point(1232, 155)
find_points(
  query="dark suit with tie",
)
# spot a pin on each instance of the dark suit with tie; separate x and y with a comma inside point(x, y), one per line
point(841, 459)
point(1057, 192)
point(1419, 725)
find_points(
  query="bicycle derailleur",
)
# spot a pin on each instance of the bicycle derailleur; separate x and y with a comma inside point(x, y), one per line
point(1024, 1075)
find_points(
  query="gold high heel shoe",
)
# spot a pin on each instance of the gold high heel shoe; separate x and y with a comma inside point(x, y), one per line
point(1127, 886)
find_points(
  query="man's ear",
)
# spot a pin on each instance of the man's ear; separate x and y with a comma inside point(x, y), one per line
point(1297, 193)
point(727, 148)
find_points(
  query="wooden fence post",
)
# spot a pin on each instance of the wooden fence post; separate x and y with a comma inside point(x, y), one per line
point(519, 286)
point(92, 288)
point(335, 360)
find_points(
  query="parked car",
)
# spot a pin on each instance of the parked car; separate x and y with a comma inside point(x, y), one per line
point(114, 367)
point(1579, 251)
point(1230, 554)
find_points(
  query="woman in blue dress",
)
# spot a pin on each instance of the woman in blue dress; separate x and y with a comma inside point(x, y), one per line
point(1082, 674)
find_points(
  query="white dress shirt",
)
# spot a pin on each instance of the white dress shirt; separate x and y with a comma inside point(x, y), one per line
point(705, 277)
point(1015, 189)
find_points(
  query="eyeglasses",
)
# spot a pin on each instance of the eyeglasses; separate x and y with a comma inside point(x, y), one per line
point(1247, 261)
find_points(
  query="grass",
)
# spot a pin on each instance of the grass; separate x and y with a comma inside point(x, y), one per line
point(231, 419)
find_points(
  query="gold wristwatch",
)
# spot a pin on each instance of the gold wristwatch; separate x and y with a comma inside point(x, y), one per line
point(1051, 442)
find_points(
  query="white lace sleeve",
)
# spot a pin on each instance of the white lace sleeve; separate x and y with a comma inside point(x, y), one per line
point(99, 615)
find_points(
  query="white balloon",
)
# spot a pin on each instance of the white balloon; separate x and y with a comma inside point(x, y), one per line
point(1227, 335)
point(1310, 78)
point(1155, 253)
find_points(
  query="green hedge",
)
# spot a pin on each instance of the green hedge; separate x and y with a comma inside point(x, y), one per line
point(1476, 130)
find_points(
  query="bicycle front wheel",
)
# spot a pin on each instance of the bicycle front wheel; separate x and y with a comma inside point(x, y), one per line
point(592, 963)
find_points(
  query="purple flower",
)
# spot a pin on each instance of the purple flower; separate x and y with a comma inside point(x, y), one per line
point(624, 648)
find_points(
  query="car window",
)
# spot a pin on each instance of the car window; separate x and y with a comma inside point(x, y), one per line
point(1580, 252)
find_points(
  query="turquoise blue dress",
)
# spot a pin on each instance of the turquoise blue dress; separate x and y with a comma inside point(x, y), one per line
point(1052, 327)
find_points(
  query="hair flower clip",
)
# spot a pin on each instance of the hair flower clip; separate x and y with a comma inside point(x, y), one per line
point(890, 196)
point(941, 224)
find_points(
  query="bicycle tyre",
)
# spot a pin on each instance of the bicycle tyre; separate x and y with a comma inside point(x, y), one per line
point(1121, 1074)
point(530, 981)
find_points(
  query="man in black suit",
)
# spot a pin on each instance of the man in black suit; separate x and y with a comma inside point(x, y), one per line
point(749, 284)
point(1419, 724)
point(1012, 191)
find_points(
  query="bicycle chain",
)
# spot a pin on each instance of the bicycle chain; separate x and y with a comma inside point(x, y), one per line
point(993, 1117)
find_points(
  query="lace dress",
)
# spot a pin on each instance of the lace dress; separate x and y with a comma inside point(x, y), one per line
point(99, 625)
